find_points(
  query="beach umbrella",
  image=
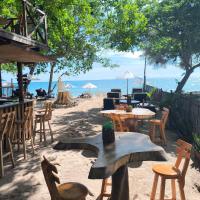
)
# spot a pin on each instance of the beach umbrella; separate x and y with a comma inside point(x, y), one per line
point(61, 85)
point(89, 86)
point(127, 75)
point(69, 86)
point(32, 77)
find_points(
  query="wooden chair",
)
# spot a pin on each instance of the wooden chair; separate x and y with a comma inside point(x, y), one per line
point(24, 131)
point(119, 123)
point(173, 172)
point(65, 191)
point(41, 117)
point(6, 131)
point(104, 186)
point(161, 123)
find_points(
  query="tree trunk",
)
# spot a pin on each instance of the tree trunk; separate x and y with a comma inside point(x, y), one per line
point(31, 71)
point(181, 84)
point(51, 77)
point(145, 67)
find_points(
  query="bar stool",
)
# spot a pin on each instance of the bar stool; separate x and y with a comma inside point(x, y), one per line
point(41, 117)
point(24, 131)
point(160, 123)
point(105, 184)
point(65, 191)
point(6, 131)
point(173, 172)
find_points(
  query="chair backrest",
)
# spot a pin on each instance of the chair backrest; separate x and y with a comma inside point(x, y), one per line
point(136, 90)
point(113, 95)
point(108, 104)
point(50, 171)
point(117, 122)
point(121, 107)
point(118, 91)
point(28, 122)
point(183, 151)
point(7, 123)
point(48, 110)
point(140, 97)
point(165, 114)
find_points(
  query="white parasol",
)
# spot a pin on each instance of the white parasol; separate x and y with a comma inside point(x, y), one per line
point(128, 75)
point(61, 85)
point(89, 86)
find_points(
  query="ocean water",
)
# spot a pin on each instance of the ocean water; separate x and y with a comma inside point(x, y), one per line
point(103, 86)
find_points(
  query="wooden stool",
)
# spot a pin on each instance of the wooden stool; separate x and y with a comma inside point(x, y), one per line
point(41, 117)
point(173, 172)
point(24, 130)
point(6, 129)
point(65, 191)
point(161, 123)
point(104, 193)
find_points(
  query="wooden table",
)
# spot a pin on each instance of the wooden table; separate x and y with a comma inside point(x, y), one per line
point(130, 117)
point(137, 113)
point(113, 159)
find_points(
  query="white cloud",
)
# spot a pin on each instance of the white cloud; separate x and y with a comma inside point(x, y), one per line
point(122, 54)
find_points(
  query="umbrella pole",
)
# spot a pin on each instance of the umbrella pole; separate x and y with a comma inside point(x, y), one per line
point(127, 87)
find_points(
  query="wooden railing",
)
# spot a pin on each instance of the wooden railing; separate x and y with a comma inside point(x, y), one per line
point(184, 111)
point(31, 23)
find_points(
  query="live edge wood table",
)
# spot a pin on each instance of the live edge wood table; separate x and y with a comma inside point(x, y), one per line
point(113, 159)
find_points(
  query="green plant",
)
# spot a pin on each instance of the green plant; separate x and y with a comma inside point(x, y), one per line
point(196, 138)
point(129, 108)
point(108, 125)
point(151, 93)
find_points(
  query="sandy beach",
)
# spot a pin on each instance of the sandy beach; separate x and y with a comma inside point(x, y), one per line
point(26, 181)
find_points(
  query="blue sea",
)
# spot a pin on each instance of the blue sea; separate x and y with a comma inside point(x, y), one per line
point(103, 86)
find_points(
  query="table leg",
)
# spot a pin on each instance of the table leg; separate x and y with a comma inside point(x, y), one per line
point(120, 185)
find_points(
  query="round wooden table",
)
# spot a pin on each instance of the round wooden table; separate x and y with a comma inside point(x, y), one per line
point(137, 113)
point(129, 117)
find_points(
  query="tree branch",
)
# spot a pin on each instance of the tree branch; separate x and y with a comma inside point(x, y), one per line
point(195, 66)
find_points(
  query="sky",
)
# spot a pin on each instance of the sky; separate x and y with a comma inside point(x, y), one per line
point(127, 61)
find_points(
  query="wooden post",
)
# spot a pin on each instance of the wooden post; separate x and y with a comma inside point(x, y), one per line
point(0, 83)
point(20, 82)
point(25, 32)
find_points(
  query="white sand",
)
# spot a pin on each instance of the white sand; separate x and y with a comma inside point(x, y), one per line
point(26, 180)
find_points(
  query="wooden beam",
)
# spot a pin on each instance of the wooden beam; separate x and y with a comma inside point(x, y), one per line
point(19, 53)
point(21, 39)
point(0, 82)
point(20, 82)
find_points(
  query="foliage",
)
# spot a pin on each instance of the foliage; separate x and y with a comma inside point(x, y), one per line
point(172, 35)
point(180, 115)
point(9, 67)
point(196, 138)
point(123, 25)
point(73, 32)
point(151, 93)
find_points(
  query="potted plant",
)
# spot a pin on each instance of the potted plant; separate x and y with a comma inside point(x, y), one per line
point(108, 135)
point(129, 108)
point(197, 145)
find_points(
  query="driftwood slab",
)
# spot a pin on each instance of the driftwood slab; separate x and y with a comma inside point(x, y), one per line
point(128, 147)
